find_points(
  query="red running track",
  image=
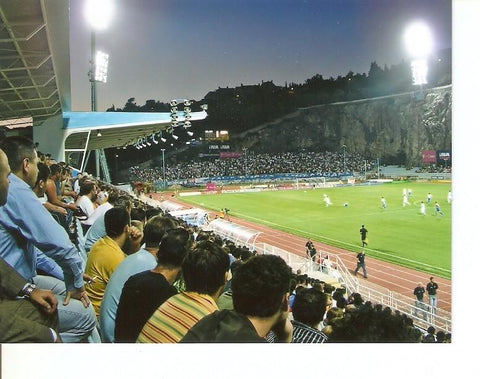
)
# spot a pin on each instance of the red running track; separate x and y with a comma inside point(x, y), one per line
point(391, 276)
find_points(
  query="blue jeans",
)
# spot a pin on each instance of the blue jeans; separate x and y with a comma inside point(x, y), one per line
point(433, 302)
point(76, 323)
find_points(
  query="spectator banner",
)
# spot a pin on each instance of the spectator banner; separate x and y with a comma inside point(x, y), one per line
point(444, 155)
point(211, 186)
point(429, 156)
point(230, 154)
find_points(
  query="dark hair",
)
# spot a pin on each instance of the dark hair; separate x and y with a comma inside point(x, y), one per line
point(112, 195)
point(152, 212)
point(369, 323)
point(17, 149)
point(115, 221)
point(138, 214)
point(43, 173)
point(205, 267)
point(174, 247)
point(259, 285)
point(123, 201)
point(86, 187)
point(309, 306)
point(55, 168)
point(155, 230)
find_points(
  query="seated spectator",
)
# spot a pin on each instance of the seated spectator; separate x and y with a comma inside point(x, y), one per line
point(430, 336)
point(26, 227)
point(144, 292)
point(97, 230)
point(58, 213)
point(107, 253)
point(53, 188)
point(333, 314)
point(205, 272)
point(308, 311)
point(32, 318)
point(145, 259)
point(86, 200)
point(260, 301)
point(369, 323)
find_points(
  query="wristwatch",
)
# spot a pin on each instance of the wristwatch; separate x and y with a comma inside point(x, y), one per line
point(28, 289)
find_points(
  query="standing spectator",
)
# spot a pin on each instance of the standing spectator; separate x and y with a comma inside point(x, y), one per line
point(27, 227)
point(205, 273)
point(260, 305)
point(363, 236)
point(311, 251)
point(144, 292)
point(419, 302)
point(432, 288)
point(361, 263)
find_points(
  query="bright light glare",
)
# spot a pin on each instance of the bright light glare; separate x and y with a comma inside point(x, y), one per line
point(99, 13)
point(101, 67)
point(419, 71)
point(418, 40)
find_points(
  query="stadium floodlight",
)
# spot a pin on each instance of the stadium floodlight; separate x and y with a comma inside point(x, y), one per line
point(174, 136)
point(163, 139)
point(418, 40)
point(153, 139)
point(99, 13)
point(204, 107)
point(187, 109)
point(101, 66)
point(190, 133)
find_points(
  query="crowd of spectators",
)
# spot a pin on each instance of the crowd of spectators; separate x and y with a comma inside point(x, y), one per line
point(435, 168)
point(321, 163)
point(195, 286)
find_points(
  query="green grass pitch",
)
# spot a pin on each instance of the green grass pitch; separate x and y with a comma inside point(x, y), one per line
point(396, 234)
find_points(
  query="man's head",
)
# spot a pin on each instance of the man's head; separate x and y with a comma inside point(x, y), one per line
point(87, 188)
point(40, 184)
point(4, 183)
point(174, 247)
point(431, 278)
point(22, 158)
point(55, 171)
point(309, 306)
point(155, 230)
point(124, 201)
point(260, 286)
point(205, 268)
point(117, 222)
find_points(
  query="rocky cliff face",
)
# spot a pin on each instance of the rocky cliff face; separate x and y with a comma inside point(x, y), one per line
point(395, 128)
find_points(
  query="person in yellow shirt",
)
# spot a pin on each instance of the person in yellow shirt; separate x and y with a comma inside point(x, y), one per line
point(106, 254)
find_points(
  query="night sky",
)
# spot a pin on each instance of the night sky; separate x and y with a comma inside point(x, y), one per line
point(166, 49)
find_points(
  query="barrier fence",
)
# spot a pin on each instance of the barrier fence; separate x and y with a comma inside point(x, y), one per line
point(422, 314)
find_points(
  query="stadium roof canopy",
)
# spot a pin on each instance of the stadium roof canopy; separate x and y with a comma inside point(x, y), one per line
point(34, 59)
point(35, 85)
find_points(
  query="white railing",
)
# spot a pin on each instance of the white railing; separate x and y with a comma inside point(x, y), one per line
point(423, 316)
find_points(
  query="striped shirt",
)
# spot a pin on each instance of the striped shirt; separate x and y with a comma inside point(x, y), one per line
point(302, 333)
point(174, 318)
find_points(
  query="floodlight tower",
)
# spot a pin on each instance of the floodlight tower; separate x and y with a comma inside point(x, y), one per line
point(99, 14)
point(418, 40)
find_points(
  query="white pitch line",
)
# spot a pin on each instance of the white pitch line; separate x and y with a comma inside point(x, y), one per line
point(344, 243)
